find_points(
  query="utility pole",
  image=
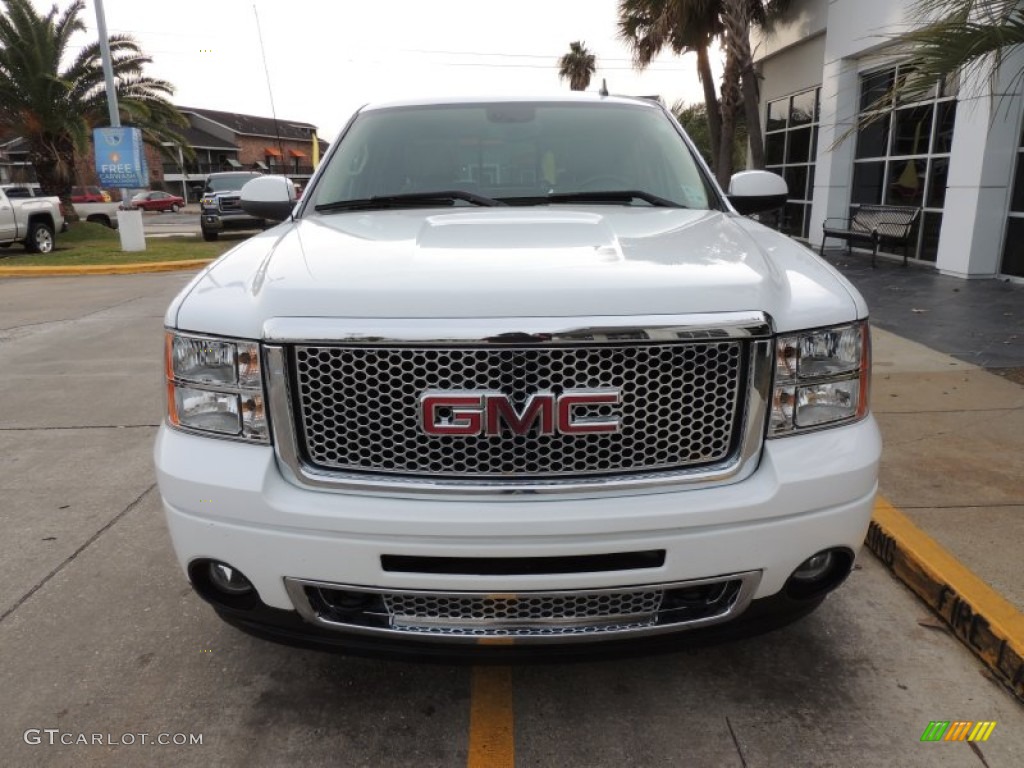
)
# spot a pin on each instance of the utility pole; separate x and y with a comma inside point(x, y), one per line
point(130, 232)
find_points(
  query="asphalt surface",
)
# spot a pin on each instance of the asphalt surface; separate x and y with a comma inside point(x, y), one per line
point(100, 634)
point(977, 321)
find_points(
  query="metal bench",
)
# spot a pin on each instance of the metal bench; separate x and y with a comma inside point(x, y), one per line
point(874, 224)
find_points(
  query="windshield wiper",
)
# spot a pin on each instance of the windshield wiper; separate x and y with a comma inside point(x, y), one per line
point(410, 199)
point(612, 196)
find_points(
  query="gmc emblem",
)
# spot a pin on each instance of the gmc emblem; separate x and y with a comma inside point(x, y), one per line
point(468, 413)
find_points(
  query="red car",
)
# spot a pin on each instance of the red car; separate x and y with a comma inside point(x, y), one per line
point(158, 201)
point(89, 195)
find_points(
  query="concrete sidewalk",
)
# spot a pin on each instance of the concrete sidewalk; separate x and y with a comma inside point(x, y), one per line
point(948, 394)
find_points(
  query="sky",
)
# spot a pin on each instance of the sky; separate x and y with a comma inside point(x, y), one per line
point(326, 58)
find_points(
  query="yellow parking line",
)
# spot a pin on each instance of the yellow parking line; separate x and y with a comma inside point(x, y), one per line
point(490, 719)
point(979, 616)
point(71, 270)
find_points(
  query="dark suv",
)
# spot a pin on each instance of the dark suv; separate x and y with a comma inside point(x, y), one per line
point(220, 204)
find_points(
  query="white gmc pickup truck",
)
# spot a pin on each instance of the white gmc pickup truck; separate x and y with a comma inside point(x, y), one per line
point(516, 376)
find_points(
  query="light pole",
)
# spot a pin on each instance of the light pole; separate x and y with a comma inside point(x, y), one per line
point(129, 223)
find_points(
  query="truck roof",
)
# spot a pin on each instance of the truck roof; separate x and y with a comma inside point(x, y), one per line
point(576, 97)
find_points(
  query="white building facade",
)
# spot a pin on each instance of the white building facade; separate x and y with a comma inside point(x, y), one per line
point(954, 154)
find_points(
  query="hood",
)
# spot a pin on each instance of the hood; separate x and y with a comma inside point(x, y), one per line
point(514, 262)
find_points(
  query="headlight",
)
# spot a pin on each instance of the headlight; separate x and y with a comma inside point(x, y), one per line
point(215, 386)
point(208, 202)
point(821, 378)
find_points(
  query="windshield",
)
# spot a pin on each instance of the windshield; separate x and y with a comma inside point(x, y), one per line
point(516, 153)
point(229, 182)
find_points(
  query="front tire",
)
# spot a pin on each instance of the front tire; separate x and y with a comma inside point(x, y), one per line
point(175, 208)
point(40, 238)
point(209, 236)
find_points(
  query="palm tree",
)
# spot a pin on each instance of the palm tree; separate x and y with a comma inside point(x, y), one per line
point(577, 66)
point(949, 38)
point(692, 25)
point(53, 109)
point(959, 37)
point(648, 26)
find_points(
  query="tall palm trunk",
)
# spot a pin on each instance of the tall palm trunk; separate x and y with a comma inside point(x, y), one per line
point(729, 103)
point(736, 18)
point(711, 102)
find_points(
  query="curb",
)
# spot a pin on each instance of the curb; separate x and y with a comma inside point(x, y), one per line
point(103, 269)
point(978, 616)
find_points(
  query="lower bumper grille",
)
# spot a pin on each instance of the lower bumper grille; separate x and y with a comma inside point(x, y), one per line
point(594, 614)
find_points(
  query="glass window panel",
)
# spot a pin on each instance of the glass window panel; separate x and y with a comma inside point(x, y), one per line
point(874, 87)
point(774, 148)
point(951, 85)
point(810, 181)
point(796, 180)
point(793, 219)
point(817, 105)
point(867, 183)
point(906, 183)
point(799, 150)
point(873, 139)
point(802, 110)
point(777, 111)
point(1013, 250)
point(1017, 201)
point(912, 129)
point(931, 223)
point(909, 79)
point(944, 127)
point(937, 180)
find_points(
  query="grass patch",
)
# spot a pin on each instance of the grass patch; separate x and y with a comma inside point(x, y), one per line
point(89, 243)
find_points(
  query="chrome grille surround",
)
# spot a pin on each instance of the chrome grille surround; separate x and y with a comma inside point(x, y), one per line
point(359, 408)
point(744, 337)
point(230, 203)
point(525, 617)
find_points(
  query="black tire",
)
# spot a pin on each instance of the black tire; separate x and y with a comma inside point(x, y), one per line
point(99, 218)
point(40, 238)
point(209, 236)
point(174, 208)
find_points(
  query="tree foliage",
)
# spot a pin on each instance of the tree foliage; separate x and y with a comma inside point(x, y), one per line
point(693, 119)
point(54, 105)
point(577, 66)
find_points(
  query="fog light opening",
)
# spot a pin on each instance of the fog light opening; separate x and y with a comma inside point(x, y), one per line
point(814, 567)
point(819, 574)
point(222, 584)
point(228, 580)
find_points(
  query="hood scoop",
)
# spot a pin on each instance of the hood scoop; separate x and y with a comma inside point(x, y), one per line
point(538, 234)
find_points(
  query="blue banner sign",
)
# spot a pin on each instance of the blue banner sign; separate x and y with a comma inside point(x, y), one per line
point(120, 157)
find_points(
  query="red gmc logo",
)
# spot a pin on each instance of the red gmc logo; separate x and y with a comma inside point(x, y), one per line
point(467, 413)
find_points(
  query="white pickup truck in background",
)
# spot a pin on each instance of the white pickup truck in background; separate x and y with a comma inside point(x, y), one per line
point(32, 221)
point(98, 213)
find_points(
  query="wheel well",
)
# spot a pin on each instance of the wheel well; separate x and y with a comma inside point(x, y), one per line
point(43, 217)
point(99, 218)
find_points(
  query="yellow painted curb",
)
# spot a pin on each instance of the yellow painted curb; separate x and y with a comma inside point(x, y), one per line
point(103, 269)
point(979, 616)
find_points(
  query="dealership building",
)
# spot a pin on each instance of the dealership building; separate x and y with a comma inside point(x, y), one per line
point(955, 154)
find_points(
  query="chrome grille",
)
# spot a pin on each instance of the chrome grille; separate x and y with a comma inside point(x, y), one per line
point(539, 617)
point(358, 407)
point(230, 203)
point(413, 608)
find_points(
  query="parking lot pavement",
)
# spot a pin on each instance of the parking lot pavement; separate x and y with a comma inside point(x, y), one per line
point(100, 633)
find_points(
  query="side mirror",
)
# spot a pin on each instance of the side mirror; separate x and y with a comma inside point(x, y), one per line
point(757, 191)
point(269, 197)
